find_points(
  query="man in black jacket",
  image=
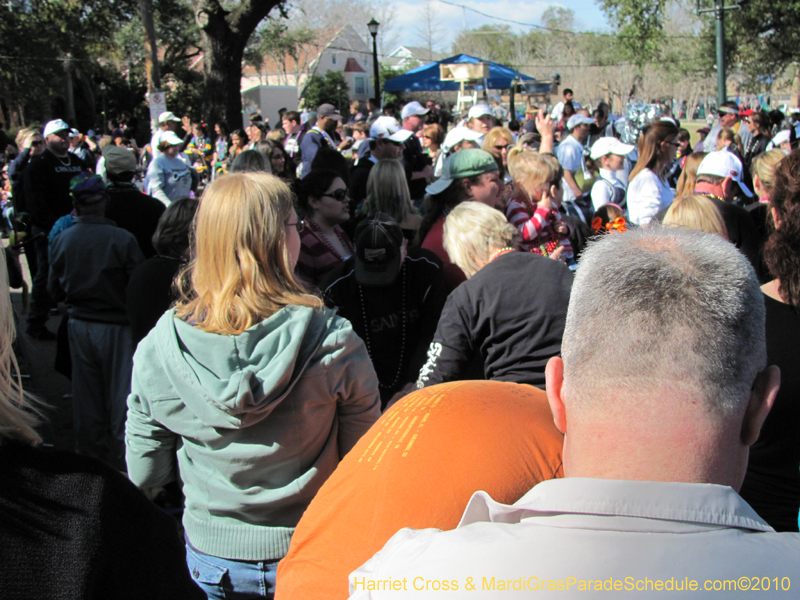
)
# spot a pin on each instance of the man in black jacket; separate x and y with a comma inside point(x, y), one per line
point(418, 165)
point(48, 198)
point(129, 208)
point(386, 141)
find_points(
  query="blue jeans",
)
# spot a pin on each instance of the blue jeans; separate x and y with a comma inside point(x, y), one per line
point(225, 579)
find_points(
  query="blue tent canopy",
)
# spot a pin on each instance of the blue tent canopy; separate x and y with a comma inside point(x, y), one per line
point(426, 77)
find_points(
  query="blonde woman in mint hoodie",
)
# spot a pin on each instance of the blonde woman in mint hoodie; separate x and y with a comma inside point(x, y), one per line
point(249, 391)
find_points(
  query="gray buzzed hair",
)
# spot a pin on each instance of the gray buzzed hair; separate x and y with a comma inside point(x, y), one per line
point(660, 306)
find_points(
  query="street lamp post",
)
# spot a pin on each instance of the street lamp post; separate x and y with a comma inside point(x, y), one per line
point(373, 31)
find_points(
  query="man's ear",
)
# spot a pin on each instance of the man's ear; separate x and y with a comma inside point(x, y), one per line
point(554, 386)
point(728, 189)
point(762, 397)
point(466, 185)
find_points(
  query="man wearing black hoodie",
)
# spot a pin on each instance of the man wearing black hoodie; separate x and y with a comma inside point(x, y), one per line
point(48, 198)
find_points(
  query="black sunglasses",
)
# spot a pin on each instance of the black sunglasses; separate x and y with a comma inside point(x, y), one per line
point(37, 143)
point(338, 195)
point(299, 224)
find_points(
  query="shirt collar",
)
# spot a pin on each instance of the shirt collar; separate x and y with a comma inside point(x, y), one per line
point(702, 505)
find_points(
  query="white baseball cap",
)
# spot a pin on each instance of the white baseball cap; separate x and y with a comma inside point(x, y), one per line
point(609, 145)
point(458, 134)
point(171, 138)
point(55, 126)
point(74, 133)
point(478, 111)
point(723, 164)
point(576, 120)
point(388, 128)
point(782, 136)
point(167, 116)
point(413, 108)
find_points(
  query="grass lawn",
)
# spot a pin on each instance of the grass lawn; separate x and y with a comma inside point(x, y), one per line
point(692, 127)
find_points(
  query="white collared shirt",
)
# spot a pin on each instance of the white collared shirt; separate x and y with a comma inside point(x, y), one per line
point(588, 530)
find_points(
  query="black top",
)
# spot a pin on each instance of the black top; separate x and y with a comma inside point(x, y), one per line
point(414, 160)
point(150, 294)
point(382, 307)
point(47, 186)
point(758, 213)
point(510, 314)
point(358, 181)
point(135, 212)
point(73, 527)
point(742, 232)
point(772, 483)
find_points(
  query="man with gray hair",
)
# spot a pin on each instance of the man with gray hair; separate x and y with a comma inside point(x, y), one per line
point(662, 388)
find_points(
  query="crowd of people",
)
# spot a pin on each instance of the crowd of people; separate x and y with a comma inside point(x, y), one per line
point(313, 336)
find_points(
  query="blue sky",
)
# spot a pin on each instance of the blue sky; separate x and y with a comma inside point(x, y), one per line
point(589, 16)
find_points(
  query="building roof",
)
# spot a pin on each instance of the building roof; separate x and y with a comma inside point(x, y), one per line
point(352, 66)
point(402, 55)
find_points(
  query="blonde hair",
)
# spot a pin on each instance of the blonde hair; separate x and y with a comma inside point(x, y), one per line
point(530, 169)
point(20, 412)
point(241, 272)
point(472, 232)
point(697, 212)
point(25, 133)
point(688, 178)
point(729, 135)
point(495, 134)
point(387, 191)
point(765, 165)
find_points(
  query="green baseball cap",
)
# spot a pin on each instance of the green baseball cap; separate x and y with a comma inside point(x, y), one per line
point(464, 163)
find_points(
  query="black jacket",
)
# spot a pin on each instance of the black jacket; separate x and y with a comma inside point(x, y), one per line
point(47, 181)
point(509, 316)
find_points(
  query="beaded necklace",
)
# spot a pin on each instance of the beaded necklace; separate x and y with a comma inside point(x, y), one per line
point(542, 249)
point(500, 252)
point(402, 343)
point(324, 238)
point(710, 195)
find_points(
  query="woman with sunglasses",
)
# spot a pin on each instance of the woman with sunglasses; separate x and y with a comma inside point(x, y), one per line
point(325, 204)
point(282, 166)
point(648, 190)
point(249, 391)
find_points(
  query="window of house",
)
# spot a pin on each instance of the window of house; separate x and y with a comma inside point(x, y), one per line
point(333, 58)
point(360, 85)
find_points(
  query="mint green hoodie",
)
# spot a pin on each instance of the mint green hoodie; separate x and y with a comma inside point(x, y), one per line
point(252, 424)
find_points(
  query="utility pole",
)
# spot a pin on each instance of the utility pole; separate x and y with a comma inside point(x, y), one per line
point(719, 12)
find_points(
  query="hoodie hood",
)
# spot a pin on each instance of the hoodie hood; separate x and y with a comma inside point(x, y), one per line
point(234, 381)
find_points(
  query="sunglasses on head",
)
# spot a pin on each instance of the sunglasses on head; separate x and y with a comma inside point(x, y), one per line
point(338, 195)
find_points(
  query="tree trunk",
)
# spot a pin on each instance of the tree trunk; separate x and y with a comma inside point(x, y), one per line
point(222, 58)
point(796, 87)
point(69, 92)
point(225, 34)
point(151, 47)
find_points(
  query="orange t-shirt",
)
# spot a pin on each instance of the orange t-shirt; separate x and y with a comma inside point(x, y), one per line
point(417, 467)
